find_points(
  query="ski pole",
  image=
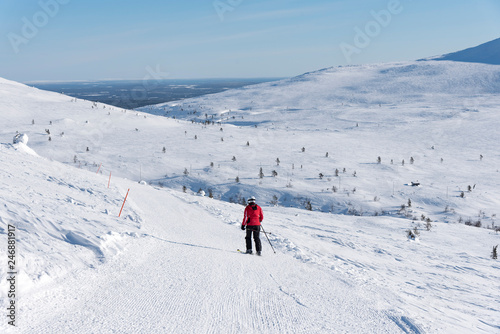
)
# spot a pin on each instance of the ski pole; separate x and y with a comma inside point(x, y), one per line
point(267, 238)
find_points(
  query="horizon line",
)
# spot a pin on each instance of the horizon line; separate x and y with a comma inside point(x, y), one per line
point(165, 79)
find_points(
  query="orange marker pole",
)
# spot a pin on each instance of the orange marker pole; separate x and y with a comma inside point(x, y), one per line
point(123, 203)
point(109, 179)
point(99, 169)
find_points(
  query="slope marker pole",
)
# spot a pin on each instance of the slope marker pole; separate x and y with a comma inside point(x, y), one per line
point(123, 203)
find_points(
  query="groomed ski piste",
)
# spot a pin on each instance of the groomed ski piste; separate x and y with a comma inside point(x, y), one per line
point(169, 263)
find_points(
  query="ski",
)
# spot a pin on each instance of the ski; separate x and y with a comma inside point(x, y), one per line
point(242, 252)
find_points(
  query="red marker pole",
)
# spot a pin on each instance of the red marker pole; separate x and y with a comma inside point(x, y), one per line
point(109, 179)
point(123, 203)
point(99, 169)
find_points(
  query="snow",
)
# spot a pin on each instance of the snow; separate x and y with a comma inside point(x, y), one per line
point(169, 263)
point(20, 138)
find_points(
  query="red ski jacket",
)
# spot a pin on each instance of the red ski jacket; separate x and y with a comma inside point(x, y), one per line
point(253, 215)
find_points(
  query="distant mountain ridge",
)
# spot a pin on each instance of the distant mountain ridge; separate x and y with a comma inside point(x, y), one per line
point(487, 53)
point(424, 82)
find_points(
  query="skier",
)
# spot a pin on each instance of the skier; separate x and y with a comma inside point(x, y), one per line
point(251, 221)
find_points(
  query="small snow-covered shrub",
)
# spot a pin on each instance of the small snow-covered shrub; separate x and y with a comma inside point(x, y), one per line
point(428, 224)
point(20, 138)
point(412, 234)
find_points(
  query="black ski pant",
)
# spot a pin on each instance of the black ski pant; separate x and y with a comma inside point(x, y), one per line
point(255, 230)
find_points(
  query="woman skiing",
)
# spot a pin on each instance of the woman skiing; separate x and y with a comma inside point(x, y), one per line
point(251, 221)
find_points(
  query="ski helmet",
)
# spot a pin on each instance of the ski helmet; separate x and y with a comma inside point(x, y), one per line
point(251, 200)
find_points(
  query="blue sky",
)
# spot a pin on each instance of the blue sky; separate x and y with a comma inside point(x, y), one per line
point(125, 39)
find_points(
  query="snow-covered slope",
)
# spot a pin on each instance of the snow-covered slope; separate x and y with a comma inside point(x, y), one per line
point(487, 53)
point(57, 210)
point(441, 114)
point(323, 93)
point(169, 264)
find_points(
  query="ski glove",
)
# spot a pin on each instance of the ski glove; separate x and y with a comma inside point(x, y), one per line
point(243, 227)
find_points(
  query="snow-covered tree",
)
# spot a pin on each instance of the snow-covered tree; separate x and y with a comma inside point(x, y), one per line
point(274, 201)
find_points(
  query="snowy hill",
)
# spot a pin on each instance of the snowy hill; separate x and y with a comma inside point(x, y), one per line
point(169, 263)
point(441, 114)
point(487, 53)
point(427, 83)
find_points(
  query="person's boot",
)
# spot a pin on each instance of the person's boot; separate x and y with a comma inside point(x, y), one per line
point(249, 251)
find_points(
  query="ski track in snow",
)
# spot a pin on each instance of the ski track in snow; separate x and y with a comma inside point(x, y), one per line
point(369, 274)
point(158, 284)
point(406, 325)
